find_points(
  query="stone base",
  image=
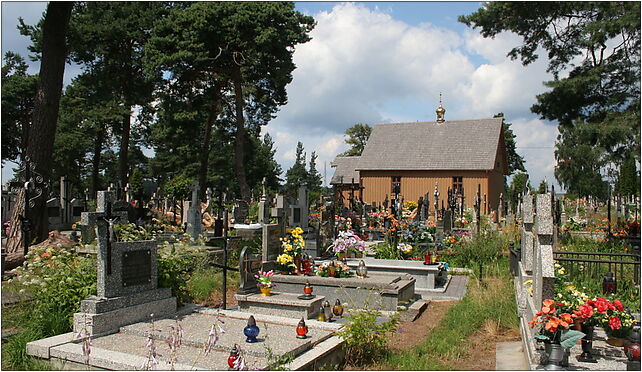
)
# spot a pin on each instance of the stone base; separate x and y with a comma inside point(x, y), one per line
point(378, 291)
point(107, 315)
point(281, 304)
point(423, 274)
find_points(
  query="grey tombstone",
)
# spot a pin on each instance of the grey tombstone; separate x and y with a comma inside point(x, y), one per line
point(280, 212)
point(420, 216)
point(299, 210)
point(264, 206)
point(185, 211)
point(500, 207)
point(528, 241)
point(249, 265)
point(436, 194)
point(54, 214)
point(88, 219)
point(126, 284)
point(194, 220)
point(270, 245)
point(544, 270)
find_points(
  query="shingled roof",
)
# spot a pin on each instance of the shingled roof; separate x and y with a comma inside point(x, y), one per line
point(451, 145)
point(345, 168)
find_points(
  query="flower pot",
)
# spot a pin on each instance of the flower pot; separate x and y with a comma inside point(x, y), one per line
point(265, 291)
point(555, 357)
point(615, 341)
point(332, 271)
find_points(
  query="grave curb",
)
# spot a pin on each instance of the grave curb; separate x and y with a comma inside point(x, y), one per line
point(321, 353)
point(42, 348)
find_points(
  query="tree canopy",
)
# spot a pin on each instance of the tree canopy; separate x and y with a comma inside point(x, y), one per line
point(358, 135)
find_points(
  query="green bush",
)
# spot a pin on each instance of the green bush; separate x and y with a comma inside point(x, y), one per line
point(176, 262)
point(365, 337)
point(203, 282)
point(386, 250)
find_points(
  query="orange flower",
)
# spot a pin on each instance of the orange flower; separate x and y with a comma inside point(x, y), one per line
point(552, 324)
point(46, 255)
point(533, 322)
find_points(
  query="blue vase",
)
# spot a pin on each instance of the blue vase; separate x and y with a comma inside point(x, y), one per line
point(251, 330)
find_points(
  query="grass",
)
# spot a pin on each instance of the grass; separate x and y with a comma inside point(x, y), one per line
point(14, 352)
point(208, 280)
point(494, 301)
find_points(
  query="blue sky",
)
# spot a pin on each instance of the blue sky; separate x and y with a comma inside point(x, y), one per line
point(378, 62)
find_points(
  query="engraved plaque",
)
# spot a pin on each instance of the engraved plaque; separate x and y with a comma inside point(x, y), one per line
point(137, 268)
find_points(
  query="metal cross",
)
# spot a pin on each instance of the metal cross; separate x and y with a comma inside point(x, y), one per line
point(109, 218)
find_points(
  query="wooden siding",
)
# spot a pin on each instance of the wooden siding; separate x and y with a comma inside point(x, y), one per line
point(417, 183)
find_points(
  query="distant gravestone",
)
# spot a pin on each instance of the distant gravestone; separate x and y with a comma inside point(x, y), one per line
point(194, 224)
point(299, 210)
point(241, 211)
point(447, 221)
point(249, 265)
point(126, 284)
point(280, 212)
point(271, 244)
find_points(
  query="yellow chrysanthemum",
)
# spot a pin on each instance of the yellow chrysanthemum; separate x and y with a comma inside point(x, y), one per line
point(284, 259)
point(287, 247)
point(298, 230)
point(288, 230)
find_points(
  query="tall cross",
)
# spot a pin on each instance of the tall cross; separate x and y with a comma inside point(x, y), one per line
point(109, 218)
point(436, 201)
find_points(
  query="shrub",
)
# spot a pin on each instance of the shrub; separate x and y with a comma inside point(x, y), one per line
point(365, 337)
point(175, 267)
point(486, 248)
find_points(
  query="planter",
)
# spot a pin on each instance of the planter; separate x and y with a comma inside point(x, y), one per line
point(556, 357)
point(615, 341)
point(265, 291)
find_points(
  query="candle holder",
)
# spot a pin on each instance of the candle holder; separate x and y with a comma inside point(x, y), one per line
point(321, 314)
point(307, 290)
point(609, 284)
point(251, 330)
point(362, 270)
point(337, 309)
point(234, 354)
point(327, 310)
point(301, 329)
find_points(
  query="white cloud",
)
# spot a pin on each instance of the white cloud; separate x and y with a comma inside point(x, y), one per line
point(535, 141)
point(364, 66)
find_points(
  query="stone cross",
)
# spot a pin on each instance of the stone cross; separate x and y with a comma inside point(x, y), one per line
point(436, 201)
point(89, 219)
point(500, 207)
point(264, 206)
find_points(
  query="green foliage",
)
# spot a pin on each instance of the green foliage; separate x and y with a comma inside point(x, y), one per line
point(628, 182)
point(58, 279)
point(297, 175)
point(18, 96)
point(515, 162)
point(366, 337)
point(176, 262)
point(314, 178)
point(202, 283)
point(358, 135)
point(14, 352)
point(179, 186)
point(387, 251)
point(487, 248)
point(136, 183)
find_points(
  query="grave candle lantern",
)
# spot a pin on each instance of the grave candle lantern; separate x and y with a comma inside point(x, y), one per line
point(301, 329)
point(337, 309)
point(251, 330)
point(327, 310)
point(234, 354)
point(321, 315)
point(362, 270)
point(307, 265)
point(632, 346)
point(609, 284)
point(427, 258)
point(307, 289)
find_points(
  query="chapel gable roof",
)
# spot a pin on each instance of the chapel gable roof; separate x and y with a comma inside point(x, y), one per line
point(449, 145)
point(346, 168)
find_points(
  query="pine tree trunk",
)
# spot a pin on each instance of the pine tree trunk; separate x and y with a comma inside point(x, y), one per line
point(205, 146)
point(239, 146)
point(44, 120)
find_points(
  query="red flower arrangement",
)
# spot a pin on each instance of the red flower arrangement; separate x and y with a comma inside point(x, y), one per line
point(555, 325)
